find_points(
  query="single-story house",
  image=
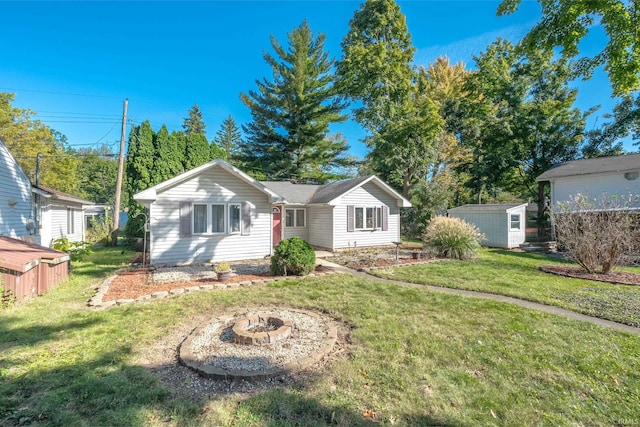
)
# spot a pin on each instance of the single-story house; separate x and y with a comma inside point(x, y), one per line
point(594, 178)
point(59, 215)
point(16, 201)
point(503, 225)
point(216, 212)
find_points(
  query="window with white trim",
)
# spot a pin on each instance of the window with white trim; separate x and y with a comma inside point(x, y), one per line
point(368, 218)
point(209, 218)
point(234, 218)
point(514, 222)
point(295, 217)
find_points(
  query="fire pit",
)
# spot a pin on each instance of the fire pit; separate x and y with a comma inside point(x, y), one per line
point(259, 344)
point(267, 329)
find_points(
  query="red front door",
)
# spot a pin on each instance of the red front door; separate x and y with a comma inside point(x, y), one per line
point(277, 225)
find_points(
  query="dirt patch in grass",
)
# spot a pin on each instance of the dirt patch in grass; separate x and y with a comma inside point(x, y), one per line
point(615, 277)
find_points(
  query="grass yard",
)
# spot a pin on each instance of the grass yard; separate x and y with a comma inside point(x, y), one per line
point(416, 358)
point(516, 274)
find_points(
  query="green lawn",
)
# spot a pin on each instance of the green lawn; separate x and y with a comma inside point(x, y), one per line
point(516, 274)
point(416, 358)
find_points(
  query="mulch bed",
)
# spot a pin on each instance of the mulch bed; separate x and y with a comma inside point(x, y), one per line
point(615, 277)
point(135, 283)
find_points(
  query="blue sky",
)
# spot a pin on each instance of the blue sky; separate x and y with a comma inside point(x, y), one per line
point(74, 63)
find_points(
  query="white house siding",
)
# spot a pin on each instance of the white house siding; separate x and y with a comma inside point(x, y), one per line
point(368, 195)
point(593, 186)
point(321, 226)
point(301, 232)
point(57, 213)
point(15, 196)
point(214, 185)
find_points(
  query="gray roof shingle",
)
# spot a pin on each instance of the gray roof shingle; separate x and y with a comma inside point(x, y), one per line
point(624, 163)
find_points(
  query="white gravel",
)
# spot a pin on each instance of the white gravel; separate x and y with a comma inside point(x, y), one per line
point(205, 271)
point(214, 345)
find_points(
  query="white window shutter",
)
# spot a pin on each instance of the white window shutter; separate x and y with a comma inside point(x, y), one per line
point(351, 214)
point(185, 219)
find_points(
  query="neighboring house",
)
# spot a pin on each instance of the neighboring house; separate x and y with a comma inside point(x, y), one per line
point(503, 225)
point(59, 215)
point(218, 213)
point(594, 178)
point(16, 202)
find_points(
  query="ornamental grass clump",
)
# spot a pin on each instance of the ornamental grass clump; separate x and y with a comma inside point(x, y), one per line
point(293, 257)
point(452, 238)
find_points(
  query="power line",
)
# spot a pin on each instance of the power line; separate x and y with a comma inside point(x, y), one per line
point(58, 93)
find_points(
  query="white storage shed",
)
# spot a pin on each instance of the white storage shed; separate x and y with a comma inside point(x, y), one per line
point(503, 225)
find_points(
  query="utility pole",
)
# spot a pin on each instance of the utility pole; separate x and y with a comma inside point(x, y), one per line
point(116, 207)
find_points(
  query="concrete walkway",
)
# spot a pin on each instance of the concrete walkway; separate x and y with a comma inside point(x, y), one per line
point(495, 297)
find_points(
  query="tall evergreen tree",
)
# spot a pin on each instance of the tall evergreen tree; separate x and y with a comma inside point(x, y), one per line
point(288, 137)
point(197, 151)
point(167, 164)
point(194, 123)
point(228, 138)
point(139, 172)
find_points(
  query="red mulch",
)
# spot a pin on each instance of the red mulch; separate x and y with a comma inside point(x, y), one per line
point(615, 277)
point(135, 283)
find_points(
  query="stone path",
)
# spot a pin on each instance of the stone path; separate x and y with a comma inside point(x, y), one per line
point(511, 300)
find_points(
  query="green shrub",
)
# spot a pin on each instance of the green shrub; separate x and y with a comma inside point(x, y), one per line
point(75, 249)
point(452, 238)
point(99, 230)
point(293, 257)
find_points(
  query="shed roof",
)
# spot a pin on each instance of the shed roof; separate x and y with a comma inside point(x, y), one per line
point(496, 207)
point(624, 163)
point(18, 255)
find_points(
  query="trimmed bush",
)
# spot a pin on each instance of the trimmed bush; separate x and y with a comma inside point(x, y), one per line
point(293, 257)
point(452, 238)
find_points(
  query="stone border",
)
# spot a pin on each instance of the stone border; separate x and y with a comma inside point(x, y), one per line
point(97, 303)
point(186, 357)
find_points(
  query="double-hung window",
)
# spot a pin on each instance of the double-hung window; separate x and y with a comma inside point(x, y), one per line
point(368, 218)
point(208, 218)
point(295, 218)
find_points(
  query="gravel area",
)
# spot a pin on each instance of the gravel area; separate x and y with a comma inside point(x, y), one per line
point(205, 271)
point(214, 346)
point(161, 358)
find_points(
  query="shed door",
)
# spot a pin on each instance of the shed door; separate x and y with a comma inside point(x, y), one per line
point(277, 225)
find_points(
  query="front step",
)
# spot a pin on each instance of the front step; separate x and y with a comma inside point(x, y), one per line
point(540, 247)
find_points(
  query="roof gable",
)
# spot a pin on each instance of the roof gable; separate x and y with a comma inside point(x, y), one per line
point(328, 193)
point(624, 163)
point(150, 194)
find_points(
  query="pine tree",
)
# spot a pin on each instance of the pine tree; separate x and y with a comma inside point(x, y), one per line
point(288, 137)
point(228, 139)
point(194, 123)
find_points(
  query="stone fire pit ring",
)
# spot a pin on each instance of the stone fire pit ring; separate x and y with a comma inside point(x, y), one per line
point(234, 347)
point(275, 329)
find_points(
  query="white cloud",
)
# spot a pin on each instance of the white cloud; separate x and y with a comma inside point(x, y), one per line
point(464, 50)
